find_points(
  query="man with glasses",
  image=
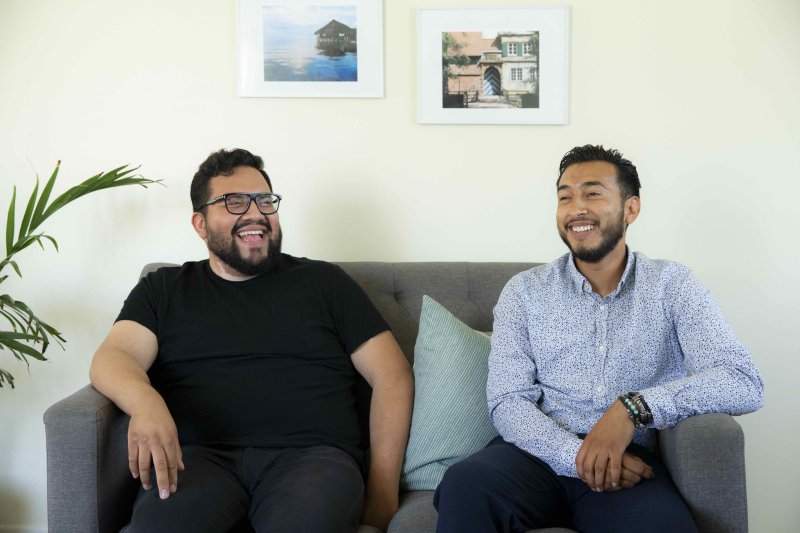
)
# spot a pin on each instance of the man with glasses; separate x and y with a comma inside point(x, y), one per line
point(239, 374)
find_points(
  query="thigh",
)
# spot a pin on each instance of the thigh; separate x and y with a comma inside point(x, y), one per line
point(654, 505)
point(500, 488)
point(209, 498)
point(315, 490)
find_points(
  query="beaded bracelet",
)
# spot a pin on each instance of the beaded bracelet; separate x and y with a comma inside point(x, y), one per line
point(632, 411)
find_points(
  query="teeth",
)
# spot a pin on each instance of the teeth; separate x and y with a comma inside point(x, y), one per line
point(580, 229)
point(251, 232)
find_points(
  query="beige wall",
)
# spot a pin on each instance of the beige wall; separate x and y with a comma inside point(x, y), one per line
point(701, 95)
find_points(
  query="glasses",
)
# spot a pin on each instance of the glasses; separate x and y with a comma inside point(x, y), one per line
point(237, 203)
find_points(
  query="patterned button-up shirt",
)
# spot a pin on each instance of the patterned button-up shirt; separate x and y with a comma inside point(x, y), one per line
point(561, 355)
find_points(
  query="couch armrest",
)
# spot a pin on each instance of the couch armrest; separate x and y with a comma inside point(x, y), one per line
point(705, 457)
point(88, 481)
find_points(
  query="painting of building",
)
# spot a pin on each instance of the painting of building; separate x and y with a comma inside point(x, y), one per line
point(490, 70)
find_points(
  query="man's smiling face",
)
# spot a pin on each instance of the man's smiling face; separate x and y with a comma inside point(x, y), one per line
point(591, 215)
point(249, 243)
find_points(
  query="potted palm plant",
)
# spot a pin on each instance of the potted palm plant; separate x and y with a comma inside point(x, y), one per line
point(22, 333)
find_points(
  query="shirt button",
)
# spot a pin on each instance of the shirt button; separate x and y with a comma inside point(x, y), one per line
point(602, 307)
point(600, 388)
point(602, 349)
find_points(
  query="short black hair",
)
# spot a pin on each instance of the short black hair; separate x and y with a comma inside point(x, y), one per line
point(222, 163)
point(627, 176)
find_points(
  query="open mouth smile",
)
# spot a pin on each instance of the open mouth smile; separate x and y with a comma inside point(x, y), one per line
point(582, 228)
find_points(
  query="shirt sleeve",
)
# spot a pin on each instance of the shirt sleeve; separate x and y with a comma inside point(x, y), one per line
point(722, 377)
point(140, 305)
point(356, 318)
point(513, 390)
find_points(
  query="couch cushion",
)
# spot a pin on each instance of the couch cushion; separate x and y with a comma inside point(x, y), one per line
point(450, 420)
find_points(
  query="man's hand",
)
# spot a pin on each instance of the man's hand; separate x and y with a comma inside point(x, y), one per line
point(153, 438)
point(633, 471)
point(599, 460)
point(379, 510)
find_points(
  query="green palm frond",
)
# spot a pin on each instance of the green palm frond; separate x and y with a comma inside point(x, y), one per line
point(29, 336)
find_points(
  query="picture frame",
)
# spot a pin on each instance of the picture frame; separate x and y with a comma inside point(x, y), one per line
point(486, 65)
point(300, 48)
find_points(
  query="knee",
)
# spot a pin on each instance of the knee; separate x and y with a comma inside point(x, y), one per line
point(467, 481)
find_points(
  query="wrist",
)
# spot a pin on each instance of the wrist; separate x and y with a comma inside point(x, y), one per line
point(637, 408)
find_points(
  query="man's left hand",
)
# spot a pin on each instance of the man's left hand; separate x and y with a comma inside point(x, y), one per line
point(599, 460)
point(378, 511)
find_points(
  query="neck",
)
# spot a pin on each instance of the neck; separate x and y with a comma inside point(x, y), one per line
point(604, 275)
point(224, 271)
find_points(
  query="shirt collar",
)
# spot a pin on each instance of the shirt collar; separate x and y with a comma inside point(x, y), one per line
point(581, 284)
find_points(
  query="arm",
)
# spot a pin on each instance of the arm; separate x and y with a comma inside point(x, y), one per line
point(382, 363)
point(723, 377)
point(513, 390)
point(119, 371)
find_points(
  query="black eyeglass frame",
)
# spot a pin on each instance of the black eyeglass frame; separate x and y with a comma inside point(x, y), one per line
point(251, 196)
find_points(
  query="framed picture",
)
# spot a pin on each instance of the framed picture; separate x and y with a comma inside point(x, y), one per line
point(493, 65)
point(314, 48)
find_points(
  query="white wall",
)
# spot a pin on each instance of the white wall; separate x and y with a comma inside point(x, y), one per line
point(701, 95)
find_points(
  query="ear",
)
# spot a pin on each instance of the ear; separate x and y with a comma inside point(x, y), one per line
point(199, 224)
point(631, 208)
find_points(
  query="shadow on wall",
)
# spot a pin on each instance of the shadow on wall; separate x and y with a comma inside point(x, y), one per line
point(14, 509)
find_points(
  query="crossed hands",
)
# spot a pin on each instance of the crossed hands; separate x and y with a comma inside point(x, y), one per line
point(153, 439)
point(602, 461)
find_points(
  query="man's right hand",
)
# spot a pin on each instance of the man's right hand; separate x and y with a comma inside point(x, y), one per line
point(153, 439)
point(633, 471)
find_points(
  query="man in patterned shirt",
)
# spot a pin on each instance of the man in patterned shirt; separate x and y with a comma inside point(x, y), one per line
point(571, 340)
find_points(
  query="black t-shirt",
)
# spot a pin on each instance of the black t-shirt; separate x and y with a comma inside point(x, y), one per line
point(257, 363)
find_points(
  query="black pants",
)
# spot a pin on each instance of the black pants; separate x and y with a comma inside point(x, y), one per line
point(317, 489)
point(502, 488)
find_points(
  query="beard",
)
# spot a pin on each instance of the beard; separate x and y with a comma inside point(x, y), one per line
point(225, 248)
point(610, 234)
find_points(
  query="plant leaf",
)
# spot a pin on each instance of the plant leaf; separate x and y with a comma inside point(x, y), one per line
point(10, 223)
point(23, 349)
point(7, 377)
point(26, 218)
point(117, 177)
point(37, 217)
point(13, 265)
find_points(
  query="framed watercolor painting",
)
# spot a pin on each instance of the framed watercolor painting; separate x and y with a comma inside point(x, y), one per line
point(310, 48)
point(493, 65)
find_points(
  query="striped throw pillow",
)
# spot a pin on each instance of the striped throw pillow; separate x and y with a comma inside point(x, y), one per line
point(451, 419)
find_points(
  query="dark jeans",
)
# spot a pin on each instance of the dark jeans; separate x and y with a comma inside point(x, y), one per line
point(502, 488)
point(317, 489)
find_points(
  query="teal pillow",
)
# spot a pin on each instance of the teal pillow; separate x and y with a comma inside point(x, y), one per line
point(451, 419)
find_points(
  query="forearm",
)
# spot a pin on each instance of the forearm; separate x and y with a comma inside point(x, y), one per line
point(713, 390)
point(521, 422)
point(120, 378)
point(390, 420)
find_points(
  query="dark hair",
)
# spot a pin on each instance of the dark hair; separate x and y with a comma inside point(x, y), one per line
point(627, 177)
point(222, 163)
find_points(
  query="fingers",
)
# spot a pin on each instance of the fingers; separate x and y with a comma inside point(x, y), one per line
point(600, 467)
point(161, 466)
point(637, 466)
point(144, 467)
point(612, 474)
point(166, 461)
point(133, 459)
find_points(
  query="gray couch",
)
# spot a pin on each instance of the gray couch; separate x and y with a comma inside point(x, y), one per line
point(90, 489)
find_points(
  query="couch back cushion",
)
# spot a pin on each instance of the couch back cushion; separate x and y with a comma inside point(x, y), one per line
point(468, 290)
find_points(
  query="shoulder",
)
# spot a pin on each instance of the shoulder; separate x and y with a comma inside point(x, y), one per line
point(309, 267)
point(541, 277)
point(662, 274)
point(167, 274)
